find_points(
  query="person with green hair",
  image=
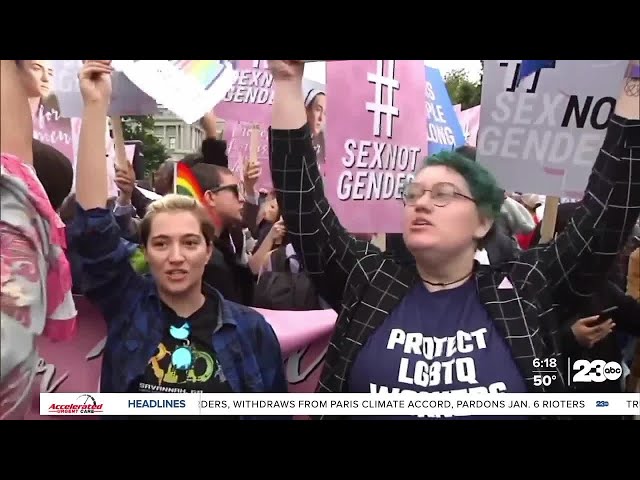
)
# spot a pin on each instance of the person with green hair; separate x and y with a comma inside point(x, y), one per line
point(447, 323)
point(500, 244)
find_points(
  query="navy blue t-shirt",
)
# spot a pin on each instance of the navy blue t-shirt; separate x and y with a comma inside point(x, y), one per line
point(441, 341)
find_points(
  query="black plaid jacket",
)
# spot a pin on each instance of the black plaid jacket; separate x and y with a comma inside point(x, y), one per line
point(364, 284)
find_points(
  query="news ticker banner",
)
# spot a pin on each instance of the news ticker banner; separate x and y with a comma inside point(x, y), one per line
point(358, 404)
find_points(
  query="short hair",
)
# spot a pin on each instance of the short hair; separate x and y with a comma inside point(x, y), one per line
point(468, 151)
point(209, 176)
point(177, 203)
point(214, 152)
point(191, 159)
point(54, 170)
point(484, 188)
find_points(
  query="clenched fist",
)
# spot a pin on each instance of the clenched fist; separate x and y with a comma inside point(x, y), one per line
point(286, 69)
point(95, 81)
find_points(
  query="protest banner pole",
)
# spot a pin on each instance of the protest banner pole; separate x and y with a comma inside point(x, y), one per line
point(254, 141)
point(548, 227)
point(118, 141)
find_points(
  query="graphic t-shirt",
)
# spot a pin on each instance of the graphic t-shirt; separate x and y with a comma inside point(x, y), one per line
point(437, 342)
point(205, 375)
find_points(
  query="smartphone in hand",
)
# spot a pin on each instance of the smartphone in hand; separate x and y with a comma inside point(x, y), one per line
point(606, 314)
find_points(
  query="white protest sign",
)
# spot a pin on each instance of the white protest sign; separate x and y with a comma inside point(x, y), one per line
point(544, 135)
point(189, 88)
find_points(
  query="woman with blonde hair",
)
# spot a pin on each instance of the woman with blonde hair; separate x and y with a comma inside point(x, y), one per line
point(168, 332)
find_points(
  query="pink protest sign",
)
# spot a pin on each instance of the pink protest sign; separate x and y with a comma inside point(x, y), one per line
point(374, 140)
point(470, 123)
point(297, 330)
point(304, 344)
point(130, 151)
point(304, 338)
point(50, 128)
point(74, 366)
point(251, 96)
point(238, 138)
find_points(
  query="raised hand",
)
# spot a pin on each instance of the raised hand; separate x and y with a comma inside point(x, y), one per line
point(95, 82)
point(588, 331)
point(277, 232)
point(286, 69)
point(252, 173)
point(125, 181)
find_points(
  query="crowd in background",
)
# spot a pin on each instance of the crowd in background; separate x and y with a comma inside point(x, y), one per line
point(249, 257)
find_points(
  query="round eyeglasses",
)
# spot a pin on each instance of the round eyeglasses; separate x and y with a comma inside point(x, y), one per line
point(441, 194)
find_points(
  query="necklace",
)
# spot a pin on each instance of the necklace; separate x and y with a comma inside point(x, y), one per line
point(441, 284)
point(183, 356)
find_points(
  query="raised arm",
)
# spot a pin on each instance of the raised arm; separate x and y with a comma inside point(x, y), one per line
point(329, 254)
point(573, 264)
point(109, 278)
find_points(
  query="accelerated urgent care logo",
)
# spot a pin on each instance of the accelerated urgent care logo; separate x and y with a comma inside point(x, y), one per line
point(84, 404)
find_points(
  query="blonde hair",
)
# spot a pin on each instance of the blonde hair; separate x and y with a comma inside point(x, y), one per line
point(177, 203)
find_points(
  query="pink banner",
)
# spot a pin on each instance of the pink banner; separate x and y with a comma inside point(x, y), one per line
point(374, 140)
point(130, 151)
point(238, 135)
point(251, 96)
point(470, 123)
point(74, 366)
point(50, 128)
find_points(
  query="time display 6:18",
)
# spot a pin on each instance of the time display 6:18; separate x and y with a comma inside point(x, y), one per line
point(545, 363)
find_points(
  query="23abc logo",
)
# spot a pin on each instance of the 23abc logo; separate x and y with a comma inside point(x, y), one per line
point(595, 371)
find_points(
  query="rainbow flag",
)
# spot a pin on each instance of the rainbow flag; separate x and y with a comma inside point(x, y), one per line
point(205, 72)
point(185, 182)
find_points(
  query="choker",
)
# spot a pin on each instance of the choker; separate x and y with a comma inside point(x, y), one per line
point(440, 284)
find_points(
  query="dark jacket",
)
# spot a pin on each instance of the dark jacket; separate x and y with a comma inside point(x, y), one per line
point(627, 320)
point(364, 284)
point(501, 246)
point(223, 272)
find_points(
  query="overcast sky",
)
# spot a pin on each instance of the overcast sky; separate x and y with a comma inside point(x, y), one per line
point(316, 71)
